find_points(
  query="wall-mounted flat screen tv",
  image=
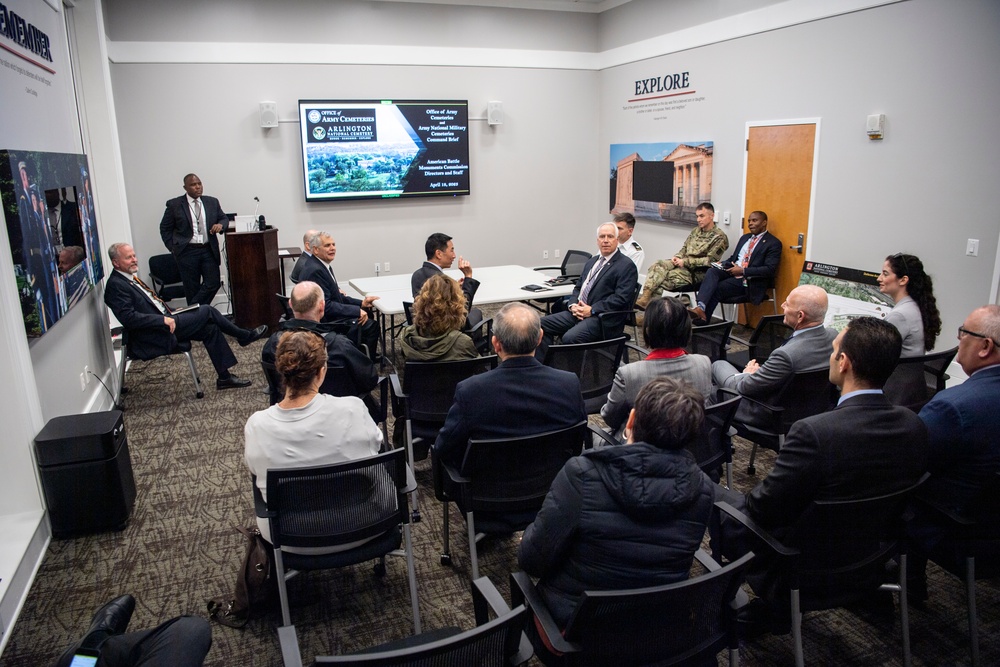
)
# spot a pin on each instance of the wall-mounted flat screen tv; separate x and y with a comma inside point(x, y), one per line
point(384, 149)
point(48, 207)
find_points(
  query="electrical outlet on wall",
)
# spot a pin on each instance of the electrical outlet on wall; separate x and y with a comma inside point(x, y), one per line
point(386, 269)
point(557, 253)
point(545, 254)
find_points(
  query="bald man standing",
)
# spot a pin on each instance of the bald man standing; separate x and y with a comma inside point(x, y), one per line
point(808, 348)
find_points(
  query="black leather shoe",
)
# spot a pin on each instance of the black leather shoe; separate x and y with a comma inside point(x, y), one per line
point(759, 618)
point(255, 335)
point(232, 382)
point(111, 619)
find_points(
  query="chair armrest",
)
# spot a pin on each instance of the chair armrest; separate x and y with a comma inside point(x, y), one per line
point(547, 268)
point(638, 348)
point(522, 591)
point(397, 386)
point(398, 397)
point(259, 505)
point(774, 545)
point(607, 439)
point(486, 598)
point(383, 397)
point(706, 560)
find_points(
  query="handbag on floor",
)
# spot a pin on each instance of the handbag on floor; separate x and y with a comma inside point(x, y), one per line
point(255, 583)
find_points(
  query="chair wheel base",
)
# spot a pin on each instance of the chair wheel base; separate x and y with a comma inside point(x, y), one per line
point(379, 569)
point(415, 516)
point(751, 470)
point(200, 394)
point(446, 560)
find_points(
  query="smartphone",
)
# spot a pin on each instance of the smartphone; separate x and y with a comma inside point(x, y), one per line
point(85, 657)
point(719, 266)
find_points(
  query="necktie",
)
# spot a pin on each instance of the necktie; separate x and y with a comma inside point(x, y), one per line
point(160, 303)
point(585, 292)
point(199, 219)
point(750, 247)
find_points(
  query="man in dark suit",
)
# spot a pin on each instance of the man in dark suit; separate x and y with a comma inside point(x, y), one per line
point(962, 424)
point(519, 397)
point(190, 229)
point(863, 448)
point(745, 275)
point(155, 330)
point(296, 274)
point(440, 252)
point(808, 348)
point(607, 283)
point(338, 307)
point(307, 305)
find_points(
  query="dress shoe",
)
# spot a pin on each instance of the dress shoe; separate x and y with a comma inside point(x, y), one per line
point(255, 335)
point(111, 619)
point(231, 382)
point(698, 316)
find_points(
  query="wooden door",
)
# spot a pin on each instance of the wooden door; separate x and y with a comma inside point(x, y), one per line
point(778, 180)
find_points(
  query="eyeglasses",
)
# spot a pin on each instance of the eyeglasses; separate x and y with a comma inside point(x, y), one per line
point(963, 332)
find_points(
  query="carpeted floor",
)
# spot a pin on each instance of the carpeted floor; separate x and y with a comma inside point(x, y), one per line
point(180, 549)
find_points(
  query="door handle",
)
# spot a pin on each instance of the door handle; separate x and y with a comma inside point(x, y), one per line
point(798, 248)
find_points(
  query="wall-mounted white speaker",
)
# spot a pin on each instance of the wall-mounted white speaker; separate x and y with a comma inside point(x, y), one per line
point(494, 113)
point(269, 114)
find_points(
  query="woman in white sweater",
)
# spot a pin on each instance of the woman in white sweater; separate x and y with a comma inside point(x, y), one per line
point(306, 428)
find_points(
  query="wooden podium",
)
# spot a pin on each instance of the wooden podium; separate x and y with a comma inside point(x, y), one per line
point(254, 277)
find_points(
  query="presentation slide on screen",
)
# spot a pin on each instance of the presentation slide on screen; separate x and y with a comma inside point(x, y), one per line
point(381, 148)
point(852, 292)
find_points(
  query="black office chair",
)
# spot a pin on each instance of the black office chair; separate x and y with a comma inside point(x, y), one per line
point(569, 271)
point(493, 643)
point(595, 363)
point(609, 320)
point(286, 307)
point(423, 399)
point(770, 333)
point(806, 393)
point(770, 294)
point(971, 550)
point(166, 277)
point(685, 623)
point(714, 448)
point(710, 340)
point(835, 554)
point(331, 506)
point(915, 380)
point(129, 355)
point(505, 480)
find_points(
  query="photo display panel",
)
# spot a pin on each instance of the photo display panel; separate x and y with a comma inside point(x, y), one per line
point(383, 149)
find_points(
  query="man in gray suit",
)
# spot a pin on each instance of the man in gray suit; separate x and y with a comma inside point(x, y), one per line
point(808, 348)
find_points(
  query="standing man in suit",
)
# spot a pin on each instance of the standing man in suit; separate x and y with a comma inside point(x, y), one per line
point(519, 397)
point(744, 274)
point(809, 347)
point(962, 424)
point(607, 284)
point(296, 274)
point(154, 329)
point(863, 448)
point(190, 230)
point(338, 307)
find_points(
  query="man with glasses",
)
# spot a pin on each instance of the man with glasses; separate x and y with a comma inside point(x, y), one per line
point(808, 348)
point(962, 423)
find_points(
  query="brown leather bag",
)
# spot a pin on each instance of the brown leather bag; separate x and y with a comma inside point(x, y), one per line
point(255, 583)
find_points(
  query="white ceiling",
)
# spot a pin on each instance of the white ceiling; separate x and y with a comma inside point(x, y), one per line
point(586, 6)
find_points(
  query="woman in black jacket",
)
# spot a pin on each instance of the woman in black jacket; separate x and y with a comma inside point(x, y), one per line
point(628, 516)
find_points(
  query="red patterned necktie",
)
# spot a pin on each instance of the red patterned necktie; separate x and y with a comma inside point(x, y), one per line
point(750, 247)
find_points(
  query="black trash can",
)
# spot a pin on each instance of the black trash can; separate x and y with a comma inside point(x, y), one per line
point(86, 473)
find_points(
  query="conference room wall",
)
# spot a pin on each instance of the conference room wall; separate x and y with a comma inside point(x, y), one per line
point(925, 189)
point(531, 176)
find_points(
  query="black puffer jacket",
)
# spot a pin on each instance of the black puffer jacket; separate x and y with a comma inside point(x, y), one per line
point(618, 517)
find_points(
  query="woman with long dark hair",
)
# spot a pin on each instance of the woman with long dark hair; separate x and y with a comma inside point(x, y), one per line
point(915, 314)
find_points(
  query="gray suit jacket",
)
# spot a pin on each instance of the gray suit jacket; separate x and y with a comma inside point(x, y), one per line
point(806, 351)
point(630, 378)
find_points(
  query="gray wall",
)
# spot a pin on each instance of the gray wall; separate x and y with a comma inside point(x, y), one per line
point(925, 189)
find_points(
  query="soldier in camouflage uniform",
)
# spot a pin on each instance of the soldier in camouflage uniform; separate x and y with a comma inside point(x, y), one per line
point(704, 245)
